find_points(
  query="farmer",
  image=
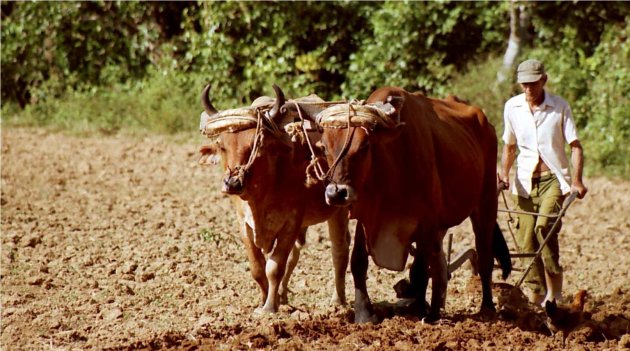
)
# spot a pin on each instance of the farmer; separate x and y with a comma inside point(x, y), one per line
point(539, 123)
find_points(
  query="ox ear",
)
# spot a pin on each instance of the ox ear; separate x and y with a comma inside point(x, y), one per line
point(319, 148)
point(209, 154)
point(395, 104)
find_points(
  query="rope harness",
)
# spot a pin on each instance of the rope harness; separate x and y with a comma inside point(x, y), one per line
point(346, 145)
point(241, 119)
point(314, 171)
point(355, 114)
point(314, 168)
point(350, 115)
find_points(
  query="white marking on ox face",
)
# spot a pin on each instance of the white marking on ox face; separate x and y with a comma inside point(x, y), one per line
point(340, 194)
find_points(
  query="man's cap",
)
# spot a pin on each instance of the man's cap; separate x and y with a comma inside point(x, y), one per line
point(530, 71)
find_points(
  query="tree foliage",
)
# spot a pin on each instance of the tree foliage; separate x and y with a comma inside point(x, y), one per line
point(166, 51)
point(77, 44)
point(422, 45)
point(242, 48)
point(587, 56)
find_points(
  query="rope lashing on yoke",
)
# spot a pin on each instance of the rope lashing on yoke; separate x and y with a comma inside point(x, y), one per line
point(356, 113)
point(363, 115)
point(314, 167)
point(236, 120)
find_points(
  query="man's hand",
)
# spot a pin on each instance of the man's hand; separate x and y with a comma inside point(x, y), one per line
point(579, 188)
point(578, 164)
point(503, 183)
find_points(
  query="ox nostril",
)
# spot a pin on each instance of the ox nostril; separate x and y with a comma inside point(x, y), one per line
point(331, 191)
point(235, 183)
point(337, 194)
point(232, 185)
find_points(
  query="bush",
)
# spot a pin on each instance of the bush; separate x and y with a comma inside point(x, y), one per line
point(598, 89)
point(112, 66)
point(243, 48)
point(606, 105)
point(479, 87)
point(78, 44)
point(423, 45)
point(163, 102)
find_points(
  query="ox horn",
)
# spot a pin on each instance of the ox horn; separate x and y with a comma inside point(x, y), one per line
point(205, 102)
point(280, 100)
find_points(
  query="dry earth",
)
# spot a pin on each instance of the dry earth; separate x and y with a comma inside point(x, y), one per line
point(126, 243)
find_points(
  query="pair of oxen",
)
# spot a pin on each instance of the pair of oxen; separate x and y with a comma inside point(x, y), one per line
point(406, 166)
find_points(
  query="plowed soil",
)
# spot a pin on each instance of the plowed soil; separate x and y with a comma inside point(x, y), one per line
point(125, 243)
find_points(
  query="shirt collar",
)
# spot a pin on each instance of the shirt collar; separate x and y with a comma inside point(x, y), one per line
point(549, 101)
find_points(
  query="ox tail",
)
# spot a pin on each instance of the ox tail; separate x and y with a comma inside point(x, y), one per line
point(501, 251)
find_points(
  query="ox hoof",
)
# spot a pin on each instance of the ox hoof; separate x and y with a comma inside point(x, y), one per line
point(432, 318)
point(487, 313)
point(440, 322)
point(365, 317)
point(263, 311)
point(337, 301)
point(404, 290)
point(419, 307)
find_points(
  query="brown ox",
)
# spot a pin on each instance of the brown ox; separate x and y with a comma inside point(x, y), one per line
point(410, 167)
point(265, 172)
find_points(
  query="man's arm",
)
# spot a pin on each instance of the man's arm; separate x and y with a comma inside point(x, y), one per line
point(507, 160)
point(577, 160)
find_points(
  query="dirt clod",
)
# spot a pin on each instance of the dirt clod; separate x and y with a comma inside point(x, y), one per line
point(125, 243)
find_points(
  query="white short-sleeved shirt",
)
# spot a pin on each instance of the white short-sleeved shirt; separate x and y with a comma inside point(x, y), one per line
point(541, 134)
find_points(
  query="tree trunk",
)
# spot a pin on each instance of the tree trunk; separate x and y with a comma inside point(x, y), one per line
point(514, 42)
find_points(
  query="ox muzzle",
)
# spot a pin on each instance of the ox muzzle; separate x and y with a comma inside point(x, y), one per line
point(232, 185)
point(339, 194)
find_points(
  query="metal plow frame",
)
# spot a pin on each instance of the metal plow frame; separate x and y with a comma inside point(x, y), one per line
point(471, 255)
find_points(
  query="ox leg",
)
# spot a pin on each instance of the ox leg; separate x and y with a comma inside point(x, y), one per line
point(439, 277)
point(484, 228)
point(340, 239)
point(256, 262)
point(276, 267)
point(294, 256)
point(419, 279)
point(363, 311)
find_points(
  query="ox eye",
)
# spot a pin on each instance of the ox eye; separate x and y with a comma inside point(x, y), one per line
point(321, 147)
point(220, 146)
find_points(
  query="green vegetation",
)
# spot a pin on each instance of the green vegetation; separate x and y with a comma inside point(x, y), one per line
point(112, 67)
point(209, 235)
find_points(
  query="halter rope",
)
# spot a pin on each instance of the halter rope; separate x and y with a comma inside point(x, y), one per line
point(241, 170)
point(314, 165)
point(346, 144)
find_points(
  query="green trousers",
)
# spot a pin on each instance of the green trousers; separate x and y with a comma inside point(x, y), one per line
point(545, 198)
